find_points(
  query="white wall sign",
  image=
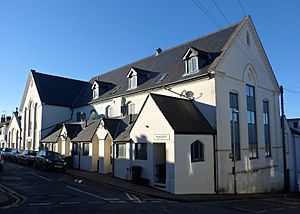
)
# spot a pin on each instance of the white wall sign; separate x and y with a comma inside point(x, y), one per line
point(161, 137)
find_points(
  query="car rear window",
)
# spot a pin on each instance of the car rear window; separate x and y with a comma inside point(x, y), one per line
point(33, 153)
point(54, 156)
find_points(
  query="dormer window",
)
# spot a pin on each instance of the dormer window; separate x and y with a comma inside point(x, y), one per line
point(100, 87)
point(192, 65)
point(132, 79)
point(95, 91)
point(194, 60)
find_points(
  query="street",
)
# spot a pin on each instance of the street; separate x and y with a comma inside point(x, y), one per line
point(54, 192)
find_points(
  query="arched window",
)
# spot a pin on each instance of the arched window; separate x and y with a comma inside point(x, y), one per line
point(29, 119)
point(197, 151)
point(93, 114)
point(248, 39)
point(108, 111)
point(17, 140)
point(8, 140)
point(131, 108)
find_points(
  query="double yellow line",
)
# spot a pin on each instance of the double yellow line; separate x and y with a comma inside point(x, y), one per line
point(19, 199)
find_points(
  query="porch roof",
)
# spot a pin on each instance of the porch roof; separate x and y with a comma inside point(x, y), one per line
point(182, 114)
point(53, 136)
point(88, 131)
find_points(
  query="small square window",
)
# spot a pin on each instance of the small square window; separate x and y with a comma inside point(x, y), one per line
point(121, 150)
point(86, 148)
point(141, 151)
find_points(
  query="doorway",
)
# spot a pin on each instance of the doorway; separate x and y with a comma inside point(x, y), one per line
point(159, 163)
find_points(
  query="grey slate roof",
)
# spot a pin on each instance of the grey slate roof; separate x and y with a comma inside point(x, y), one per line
point(53, 136)
point(120, 129)
point(295, 131)
point(169, 61)
point(87, 132)
point(60, 91)
point(183, 116)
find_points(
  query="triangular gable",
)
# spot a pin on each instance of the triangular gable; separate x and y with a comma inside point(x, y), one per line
point(30, 80)
point(247, 20)
point(194, 52)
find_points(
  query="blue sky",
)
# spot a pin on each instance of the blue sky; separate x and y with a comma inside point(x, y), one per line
point(80, 39)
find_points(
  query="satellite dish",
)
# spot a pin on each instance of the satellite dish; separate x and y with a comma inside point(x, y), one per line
point(189, 95)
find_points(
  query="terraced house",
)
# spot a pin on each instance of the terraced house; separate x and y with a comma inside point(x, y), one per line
point(178, 120)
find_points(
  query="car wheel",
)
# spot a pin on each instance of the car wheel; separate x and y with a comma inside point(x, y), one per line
point(34, 165)
point(44, 167)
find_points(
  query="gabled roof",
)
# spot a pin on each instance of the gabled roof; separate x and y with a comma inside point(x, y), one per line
point(53, 136)
point(183, 116)
point(120, 129)
point(168, 62)
point(295, 131)
point(59, 91)
point(88, 131)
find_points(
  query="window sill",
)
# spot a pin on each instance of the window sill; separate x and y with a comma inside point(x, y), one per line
point(198, 161)
point(191, 73)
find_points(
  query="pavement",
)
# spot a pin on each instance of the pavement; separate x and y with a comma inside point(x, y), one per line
point(153, 192)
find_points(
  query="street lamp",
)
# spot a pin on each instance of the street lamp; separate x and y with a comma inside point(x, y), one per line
point(234, 115)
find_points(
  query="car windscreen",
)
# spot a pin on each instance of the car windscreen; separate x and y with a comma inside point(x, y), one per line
point(33, 153)
point(54, 156)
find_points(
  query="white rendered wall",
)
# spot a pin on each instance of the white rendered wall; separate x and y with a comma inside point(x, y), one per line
point(143, 132)
point(254, 175)
point(197, 177)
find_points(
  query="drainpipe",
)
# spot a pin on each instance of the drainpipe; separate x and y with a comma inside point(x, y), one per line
point(283, 142)
point(216, 175)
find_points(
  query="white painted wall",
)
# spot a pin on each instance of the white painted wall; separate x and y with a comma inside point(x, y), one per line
point(197, 177)
point(262, 174)
point(143, 131)
point(15, 133)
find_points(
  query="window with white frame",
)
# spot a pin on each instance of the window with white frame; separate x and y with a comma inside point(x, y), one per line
point(109, 111)
point(192, 65)
point(141, 151)
point(251, 115)
point(235, 125)
point(197, 151)
point(86, 149)
point(121, 150)
point(132, 82)
point(95, 91)
point(267, 128)
point(131, 108)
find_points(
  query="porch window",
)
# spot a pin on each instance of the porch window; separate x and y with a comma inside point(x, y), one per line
point(86, 149)
point(121, 150)
point(74, 149)
point(141, 151)
point(197, 151)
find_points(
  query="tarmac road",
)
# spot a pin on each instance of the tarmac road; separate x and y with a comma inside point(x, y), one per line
point(44, 192)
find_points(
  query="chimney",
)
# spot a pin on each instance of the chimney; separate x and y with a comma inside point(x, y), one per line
point(2, 118)
point(158, 51)
point(8, 118)
point(86, 123)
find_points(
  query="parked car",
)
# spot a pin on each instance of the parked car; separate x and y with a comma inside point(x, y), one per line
point(1, 162)
point(49, 160)
point(14, 155)
point(6, 152)
point(27, 157)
